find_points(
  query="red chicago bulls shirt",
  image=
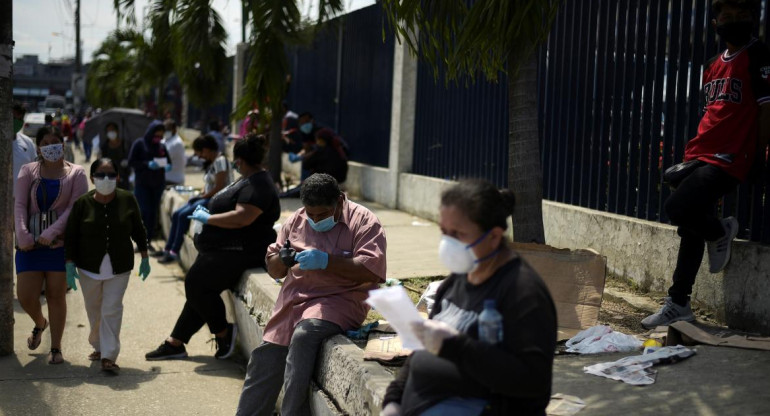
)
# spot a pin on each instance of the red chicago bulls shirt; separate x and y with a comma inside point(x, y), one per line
point(734, 86)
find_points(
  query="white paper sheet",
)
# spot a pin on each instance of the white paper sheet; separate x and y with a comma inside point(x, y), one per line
point(161, 161)
point(394, 304)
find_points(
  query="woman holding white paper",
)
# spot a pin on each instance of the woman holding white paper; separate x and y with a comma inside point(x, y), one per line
point(479, 361)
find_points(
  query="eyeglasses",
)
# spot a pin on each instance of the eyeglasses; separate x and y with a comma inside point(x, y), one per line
point(102, 175)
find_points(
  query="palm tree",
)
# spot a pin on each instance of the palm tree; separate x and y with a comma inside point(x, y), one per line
point(484, 38)
point(188, 36)
point(276, 24)
point(112, 77)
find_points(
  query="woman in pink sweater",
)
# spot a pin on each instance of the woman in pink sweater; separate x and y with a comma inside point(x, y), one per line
point(45, 188)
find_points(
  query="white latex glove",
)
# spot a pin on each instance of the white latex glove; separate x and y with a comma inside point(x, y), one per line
point(392, 409)
point(433, 333)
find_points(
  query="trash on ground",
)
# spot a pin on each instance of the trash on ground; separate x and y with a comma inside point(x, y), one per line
point(601, 338)
point(637, 369)
point(686, 333)
point(393, 282)
point(575, 279)
point(428, 297)
point(363, 332)
point(564, 405)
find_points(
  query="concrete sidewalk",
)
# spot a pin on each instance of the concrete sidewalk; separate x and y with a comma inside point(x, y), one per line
point(200, 384)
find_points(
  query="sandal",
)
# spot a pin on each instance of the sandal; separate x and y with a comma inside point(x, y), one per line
point(55, 357)
point(37, 335)
point(95, 356)
point(109, 365)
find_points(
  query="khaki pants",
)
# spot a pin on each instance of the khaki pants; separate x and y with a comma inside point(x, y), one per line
point(104, 306)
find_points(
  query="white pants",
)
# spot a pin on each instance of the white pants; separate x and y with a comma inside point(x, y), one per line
point(104, 306)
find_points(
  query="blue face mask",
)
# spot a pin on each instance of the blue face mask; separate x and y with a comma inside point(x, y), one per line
point(306, 128)
point(325, 224)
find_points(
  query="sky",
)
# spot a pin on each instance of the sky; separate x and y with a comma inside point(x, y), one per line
point(46, 27)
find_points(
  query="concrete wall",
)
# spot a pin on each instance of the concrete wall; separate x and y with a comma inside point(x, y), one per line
point(642, 251)
point(368, 182)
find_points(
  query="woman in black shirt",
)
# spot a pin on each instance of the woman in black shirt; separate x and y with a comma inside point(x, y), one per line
point(463, 370)
point(238, 227)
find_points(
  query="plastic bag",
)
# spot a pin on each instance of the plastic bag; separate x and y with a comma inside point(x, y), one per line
point(428, 297)
point(602, 338)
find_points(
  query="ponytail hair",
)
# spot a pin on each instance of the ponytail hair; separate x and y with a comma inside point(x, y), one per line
point(482, 202)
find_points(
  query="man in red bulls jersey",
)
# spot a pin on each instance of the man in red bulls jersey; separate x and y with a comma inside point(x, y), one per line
point(732, 132)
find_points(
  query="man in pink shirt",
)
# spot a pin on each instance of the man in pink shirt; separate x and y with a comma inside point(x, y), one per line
point(340, 257)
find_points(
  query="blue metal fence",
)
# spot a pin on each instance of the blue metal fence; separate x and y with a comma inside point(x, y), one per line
point(346, 80)
point(620, 98)
point(461, 131)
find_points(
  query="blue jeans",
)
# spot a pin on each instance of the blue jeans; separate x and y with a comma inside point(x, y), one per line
point(148, 198)
point(180, 223)
point(457, 406)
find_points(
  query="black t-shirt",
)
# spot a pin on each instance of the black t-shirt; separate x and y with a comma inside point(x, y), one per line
point(258, 190)
point(515, 376)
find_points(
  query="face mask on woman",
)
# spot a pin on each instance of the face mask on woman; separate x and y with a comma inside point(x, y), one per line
point(52, 152)
point(112, 135)
point(105, 186)
point(458, 257)
point(306, 128)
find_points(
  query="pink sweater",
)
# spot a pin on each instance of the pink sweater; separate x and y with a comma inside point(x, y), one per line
point(72, 186)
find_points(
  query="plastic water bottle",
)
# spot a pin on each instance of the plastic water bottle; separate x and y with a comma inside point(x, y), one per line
point(490, 324)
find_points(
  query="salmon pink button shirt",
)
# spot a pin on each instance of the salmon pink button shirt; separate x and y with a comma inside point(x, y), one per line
point(321, 294)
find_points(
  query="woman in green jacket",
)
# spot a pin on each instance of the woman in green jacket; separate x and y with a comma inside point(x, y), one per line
point(100, 254)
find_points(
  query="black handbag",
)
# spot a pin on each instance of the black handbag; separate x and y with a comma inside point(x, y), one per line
point(674, 175)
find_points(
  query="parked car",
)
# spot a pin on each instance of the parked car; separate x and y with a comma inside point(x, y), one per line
point(32, 123)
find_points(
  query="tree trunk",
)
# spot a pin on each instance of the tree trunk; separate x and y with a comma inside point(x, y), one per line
point(525, 176)
point(274, 153)
point(6, 181)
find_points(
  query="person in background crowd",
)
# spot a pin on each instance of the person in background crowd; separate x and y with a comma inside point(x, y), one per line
point(329, 155)
point(113, 146)
point(218, 175)
point(104, 260)
point(24, 150)
point(44, 194)
point(150, 161)
point(341, 256)
point(214, 131)
point(237, 228)
point(175, 147)
point(87, 144)
point(731, 141)
point(465, 368)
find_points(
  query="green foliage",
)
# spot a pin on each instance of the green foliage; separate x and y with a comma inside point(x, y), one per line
point(112, 77)
point(468, 40)
point(276, 24)
point(198, 51)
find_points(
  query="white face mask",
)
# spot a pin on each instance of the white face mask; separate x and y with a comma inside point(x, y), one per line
point(105, 186)
point(52, 152)
point(457, 256)
point(112, 135)
point(166, 135)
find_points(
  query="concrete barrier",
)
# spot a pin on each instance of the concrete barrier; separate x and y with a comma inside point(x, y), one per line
point(641, 251)
point(344, 383)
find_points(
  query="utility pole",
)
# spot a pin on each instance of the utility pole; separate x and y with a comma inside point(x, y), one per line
point(77, 76)
point(6, 184)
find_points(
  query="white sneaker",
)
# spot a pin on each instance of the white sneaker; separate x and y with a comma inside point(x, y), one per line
point(719, 250)
point(668, 314)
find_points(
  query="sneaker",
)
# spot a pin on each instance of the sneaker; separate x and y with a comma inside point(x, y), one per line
point(668, 314)
point(159, 253)
point(166, 351)
point(719, 250)
point(167, 258)
point(226, 344)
